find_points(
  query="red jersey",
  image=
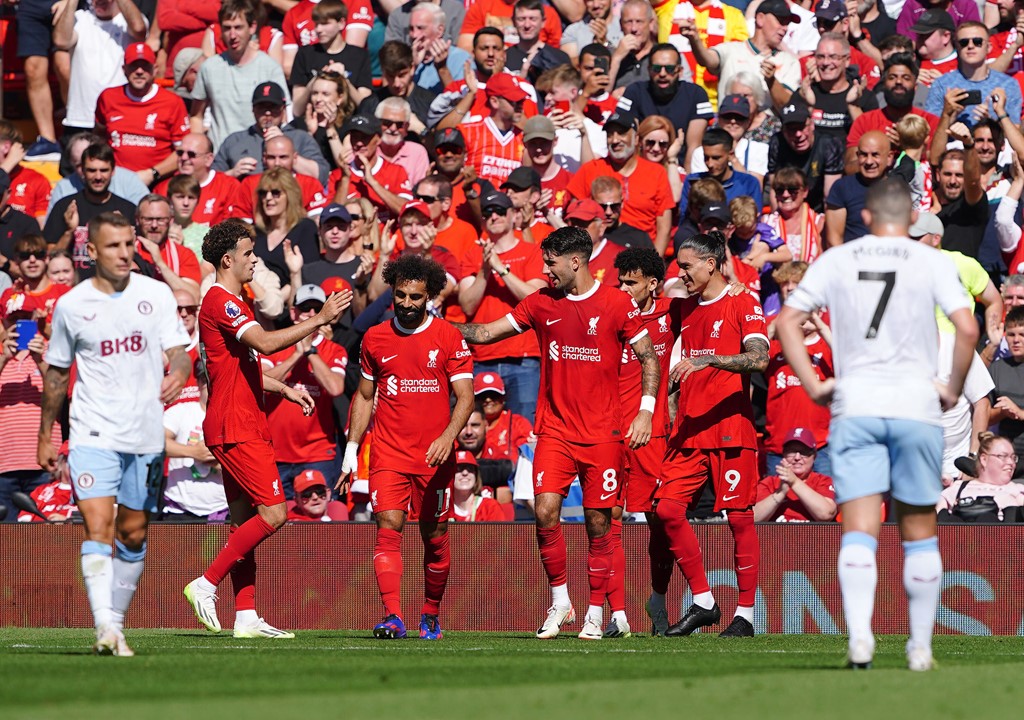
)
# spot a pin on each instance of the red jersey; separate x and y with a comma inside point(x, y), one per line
point(792, 508)
point(944, 66)
point(53, 497)
point(266, 36)
point(391, 175)
point(600, 107)
point(142, 132)
point(219, 197)
point(602, 262)
point(300, 30)
point(491, 152)
point(714, 405)
point(298, 438)
point(235, 410)
point(414, 371)
point(336, 512)
point(313, 195)
point(30, 191)
point(661, 322)
point(498, 13)
point(788, 406)
point(583, 337)
point(190, 390)
point(646, 193)
point(478, 110)
point(505, 435)
point(877, 120)
point(998, 42)
point(485, 510)
point(17, 303)
point(559, 187)
point(524, 260)
point(182, 261)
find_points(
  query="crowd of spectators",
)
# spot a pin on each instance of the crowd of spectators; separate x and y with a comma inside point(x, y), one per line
point(350, 132)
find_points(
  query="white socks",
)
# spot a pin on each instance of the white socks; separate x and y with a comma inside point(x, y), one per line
point(922, 579)
point(560, 595)
point(126, 581)
point(596, 613)
point(858, 576)
point(246, 617)
point(705, 600)
point(98, 574)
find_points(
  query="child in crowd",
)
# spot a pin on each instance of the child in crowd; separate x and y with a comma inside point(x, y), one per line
point(913, 133)
point(183, 192)
point(758, 248)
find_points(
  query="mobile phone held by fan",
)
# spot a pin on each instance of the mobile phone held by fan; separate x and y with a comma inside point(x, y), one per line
point(973, 97)
point(562, 106)
point(27, 330)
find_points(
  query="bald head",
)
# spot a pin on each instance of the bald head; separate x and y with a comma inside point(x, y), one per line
point(279, 152)
point(874, 152)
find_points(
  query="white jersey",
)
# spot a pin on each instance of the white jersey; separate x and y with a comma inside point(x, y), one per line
point(191, 485)
point(118, 342)
point(956, 422)
point(881, 294)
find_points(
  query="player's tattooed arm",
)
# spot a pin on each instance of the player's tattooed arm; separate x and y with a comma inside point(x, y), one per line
point(650, 367)
point(486, 333)
point(753, 359)
point(55, 391)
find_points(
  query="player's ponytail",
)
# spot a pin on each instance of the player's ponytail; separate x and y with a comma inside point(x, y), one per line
point(707, 245)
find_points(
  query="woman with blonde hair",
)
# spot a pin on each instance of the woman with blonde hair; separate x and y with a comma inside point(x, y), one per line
point(285, 237)
point(365, 224)
point(321, 109)
point(661, 143)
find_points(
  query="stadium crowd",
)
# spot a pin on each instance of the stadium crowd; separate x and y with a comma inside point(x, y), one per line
point(350, 134)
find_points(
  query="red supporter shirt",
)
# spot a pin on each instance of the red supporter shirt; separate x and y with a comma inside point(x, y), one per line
point(583, 337)
point(877, 120)
point(17, 303)
point(313, 196)
point(792, 508)
point(300, 30)
point(487, 510)
point(53, 497)
point(182, 261)
point(714, 405)
point(478, 110)
point(602, 263)
point(219, 198)
point(788, 405)
point(646, 193)
point(298, 438)
point(190, 390)
point(492, 153)
point(559, 187)
point(266, 37)
point(505, 435)
point(414, 372)
point(600, 107)
point(30, 192)
point(391, 175)
point(498, 14)
point(21, 391)
point(142, 132)
point(235, 411)
point(524, 260)
point(943, 66)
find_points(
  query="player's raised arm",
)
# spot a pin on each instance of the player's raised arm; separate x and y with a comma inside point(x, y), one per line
point(639, 433)
point(268, 342)
point(487, 333)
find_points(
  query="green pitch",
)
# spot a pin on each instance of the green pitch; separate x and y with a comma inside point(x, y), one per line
point(47, 673)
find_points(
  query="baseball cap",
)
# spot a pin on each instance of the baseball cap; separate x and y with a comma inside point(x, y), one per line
point(622, 119)
point(496, 199)
point(503, 85)
point(734, 105)
point(831, 10)
point(796, 111)
point(415, 206)
point(803, 436)
point(716, 212)
point(307, 479)
point(310, 293)
point(780, 9)
point(538, 126)
point(139, 51)
point(268, 92)
point(587, 210)
point(186, 58)
point(366, 124)
point(335, 211)
point(931, 20)
point(522, 178)
point(449, 136)
point(927, 224)
point(334, 285)
point(488, 382)
point(464, 457)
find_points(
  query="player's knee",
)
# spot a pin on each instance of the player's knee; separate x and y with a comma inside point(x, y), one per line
point(598, 521)
point(130, 551)
point(430, 531)
point(274, 515)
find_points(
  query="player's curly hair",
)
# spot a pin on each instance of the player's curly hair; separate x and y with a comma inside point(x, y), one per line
point(645, 261)
point(413, 268)
point(569, 241)
point(223, 238)
point(706, 245)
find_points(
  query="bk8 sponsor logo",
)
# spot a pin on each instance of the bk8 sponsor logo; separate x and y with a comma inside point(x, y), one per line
point(134, 344)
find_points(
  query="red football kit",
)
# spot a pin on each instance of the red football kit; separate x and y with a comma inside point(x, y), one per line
point(505, 435)
point(492, 153)
point(55, 497)
point(141, 131)
point(313, 195)
point(646, 193)
point(391, 175)
point(30, 191)
point(190, 390)
point(414, 372)
point(485, 510)
point(17, 301)
point(235, 428)
point(219, 197)
point(182, 261)
point(788, 406)
point(602, 263)
point(298, 438)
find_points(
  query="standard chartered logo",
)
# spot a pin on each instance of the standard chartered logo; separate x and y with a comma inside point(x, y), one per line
point(392, 385)
point(553, 351)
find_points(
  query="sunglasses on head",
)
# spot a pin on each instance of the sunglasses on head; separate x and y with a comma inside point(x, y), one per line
point(275, 193)
point(975, 41)
point(663, 144)
point(500, 211)
point(32, 255)
point(190, 154)
point(448, 150)
point(308, 493)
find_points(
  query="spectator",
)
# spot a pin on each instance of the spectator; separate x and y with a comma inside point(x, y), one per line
point(279, 152)
point(992, 496)
point(366, 173)
point(793, 219)
point(365, 227)
point(846, 200)
point(395, 115)
point(399, 20)
point(598, 100)
point(184, 192)
point(837, 99)
point(186, 70)
point(219, 193)
point(798, 145)
point(506, 432)
point(874, 18)
point(606, 191)
point(473, 437)
point(598, 25)
point(437, 62)
point(226, 82)
point(716, 23)
point(497, 274)
point(531, 56)
point(266, 37)
point(299, 29)
point(797, 493)
point(67, 225)
point(523, 188)
point(341, 256)
point(55, 499)
point(749, 155)
point(933, 34)
point(1008, 376)
point(963, 206)
point(764, 123)
point(175, 264)
point(468, 504)
point(124, 183)
point(184, 25)
point(330, 52)
point(755, 248)
point(282, 228)
point(35, 46)
point(974, 74)
point(960, 11)
point(648, 204)
point(1007, 37)
point(453, 234)
point(498, 14)
point(539, 140)
point(577, 137)
point(142, 122)
point(96, 37)
point(313, 502)
point(832, 16)
point(632, 55)
point(587, 215)
point(30, 190)
point(317, 365)
point(717, 147)
point(662, 144)
point(396, 66)
point(33, 295)
point(60, 268)
point(911, 165)
point(494, 145)
point(703, 192)
point(450, 151)
point(329, 107)
point(14, 225)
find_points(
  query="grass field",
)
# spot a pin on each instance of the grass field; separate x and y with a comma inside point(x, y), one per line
point(47, 673)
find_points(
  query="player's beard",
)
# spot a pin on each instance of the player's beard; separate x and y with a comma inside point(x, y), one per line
point(410, 317)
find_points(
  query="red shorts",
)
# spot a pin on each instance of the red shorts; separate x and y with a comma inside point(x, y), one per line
point(733, 471)
point(556, 462)
point(428, 496)
point(248, 468)
point(642, 474)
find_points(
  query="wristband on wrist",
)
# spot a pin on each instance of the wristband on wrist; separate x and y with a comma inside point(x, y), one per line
point(1002, 117)
point(647, 403)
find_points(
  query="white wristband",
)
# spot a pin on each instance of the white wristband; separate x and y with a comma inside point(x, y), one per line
point(350, 461)
point(647, 403)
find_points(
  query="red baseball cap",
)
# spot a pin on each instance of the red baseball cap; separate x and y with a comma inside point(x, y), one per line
point(488, 382)
point(334, 285)
point(307, 479)
point(139, 51)
point(803, 436)
point(587, 210)
point(505, 86)
point(464, 457)
point(417, 206)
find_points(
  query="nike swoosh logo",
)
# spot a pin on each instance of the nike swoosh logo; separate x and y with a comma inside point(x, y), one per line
point(727, 498)
point(114, 118)
point(607, 495)
point(746, 567)
point(89, 318)
point(683, 328)
point(552, 322)
point(390, 357)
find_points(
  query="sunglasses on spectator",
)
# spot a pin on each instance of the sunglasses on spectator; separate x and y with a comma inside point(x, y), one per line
point(491, 398)
point(428, 199)
point(804, 451)
point(664, 68)
point(190, 154)
point(487, 212)
point(32, 255)
point(309, 307)
point(393, 123)
point(783, 189)
point(272, 193)
point(355, 216)
point(187, 309)
point(651, 144)
point(448, 150)
point(975, 41)
point(308, 493)
point(613, 206)
point(577, 223)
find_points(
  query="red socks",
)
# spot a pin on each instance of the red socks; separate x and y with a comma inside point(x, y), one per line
point(387, 566)
point(617, 580)
point(748, 553)
point(552, 554)
point(242, 542)
point(660, 553)
point(243, 579)
point(683, 544)
point(599, 567)
point(437, 561)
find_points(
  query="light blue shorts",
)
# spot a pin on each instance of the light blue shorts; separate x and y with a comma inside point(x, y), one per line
point(875, 455)
point(134, 480)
